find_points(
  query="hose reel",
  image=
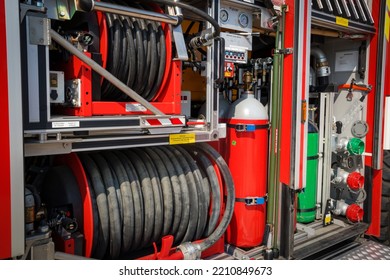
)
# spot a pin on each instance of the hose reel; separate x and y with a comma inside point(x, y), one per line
point(140, 195)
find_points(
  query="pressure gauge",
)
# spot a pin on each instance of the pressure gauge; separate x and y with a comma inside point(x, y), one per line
point(224, 16)
point(243, 20)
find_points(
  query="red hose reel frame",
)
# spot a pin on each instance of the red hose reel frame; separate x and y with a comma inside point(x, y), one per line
point(167, 99)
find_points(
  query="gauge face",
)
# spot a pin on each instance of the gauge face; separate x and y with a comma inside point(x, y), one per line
point(243, 20)
point(224, 16)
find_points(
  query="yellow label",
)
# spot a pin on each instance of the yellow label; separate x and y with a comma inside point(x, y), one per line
point(387, 25)
point(304, 111)
point(175, 139)
point(328, 219)
point(342, 21)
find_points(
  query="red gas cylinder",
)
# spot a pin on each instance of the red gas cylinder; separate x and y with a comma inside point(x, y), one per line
point(247, 154)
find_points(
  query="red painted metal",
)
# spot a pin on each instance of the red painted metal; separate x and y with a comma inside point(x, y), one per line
point(76, 69)
point(5, 165)
point(285, 142)
point(74, 163)
point(374, 228)
point(169, 102)
point(247, 156)
point(103, 38)
point(387, 50)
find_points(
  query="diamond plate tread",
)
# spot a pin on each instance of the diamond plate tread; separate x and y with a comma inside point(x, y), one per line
point(369, 250)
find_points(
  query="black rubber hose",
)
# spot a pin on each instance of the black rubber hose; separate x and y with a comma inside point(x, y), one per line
point(102, 205)
point(192, 9)
point(215, 204)
point(125, 54)
point(137, 199)
point(200, 192)
point(95, 215)
point(193, 193)
point(132, 56)
point(166, 188)
point(147, 49)
point(157, 195)
point(176, 189)
point(147, 195)
point(185, 194)
point(162, 54)
point(154, 59)
point(141, 57)
point(114, 55)
point(230, 196)
point(123, 67)
point(127, 200)
point(113, 206)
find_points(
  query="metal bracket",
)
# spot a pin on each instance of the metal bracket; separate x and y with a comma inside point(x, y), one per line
point(252, 200)
point(282, 51)
point(24, 8)
point(39, 28)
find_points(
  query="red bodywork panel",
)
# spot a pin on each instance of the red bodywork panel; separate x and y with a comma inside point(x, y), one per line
point(5, 178)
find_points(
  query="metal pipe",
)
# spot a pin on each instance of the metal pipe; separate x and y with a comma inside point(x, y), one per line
point(132, 12)
point(103, 72)
point(91, 5)
point(319, 55)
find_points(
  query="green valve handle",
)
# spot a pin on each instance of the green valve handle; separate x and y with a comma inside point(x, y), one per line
point(355, 146)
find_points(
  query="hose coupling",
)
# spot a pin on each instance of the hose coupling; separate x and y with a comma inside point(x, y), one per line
point(190, 251)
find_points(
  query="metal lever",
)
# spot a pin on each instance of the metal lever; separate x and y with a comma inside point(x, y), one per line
point(350, 94)
point(220, 60)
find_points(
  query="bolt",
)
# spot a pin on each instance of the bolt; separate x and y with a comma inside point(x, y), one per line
point(41, 41)
point(62, 14)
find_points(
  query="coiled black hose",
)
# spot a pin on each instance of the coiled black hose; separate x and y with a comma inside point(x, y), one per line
point(136, 55)
point(143, 194)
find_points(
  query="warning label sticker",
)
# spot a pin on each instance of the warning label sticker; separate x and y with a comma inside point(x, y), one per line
point(175, 139)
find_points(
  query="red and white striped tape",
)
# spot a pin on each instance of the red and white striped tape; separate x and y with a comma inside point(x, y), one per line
point(172, 121)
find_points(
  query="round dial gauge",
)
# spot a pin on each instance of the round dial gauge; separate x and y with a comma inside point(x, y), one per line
point(224, 16)
point(243, 20)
